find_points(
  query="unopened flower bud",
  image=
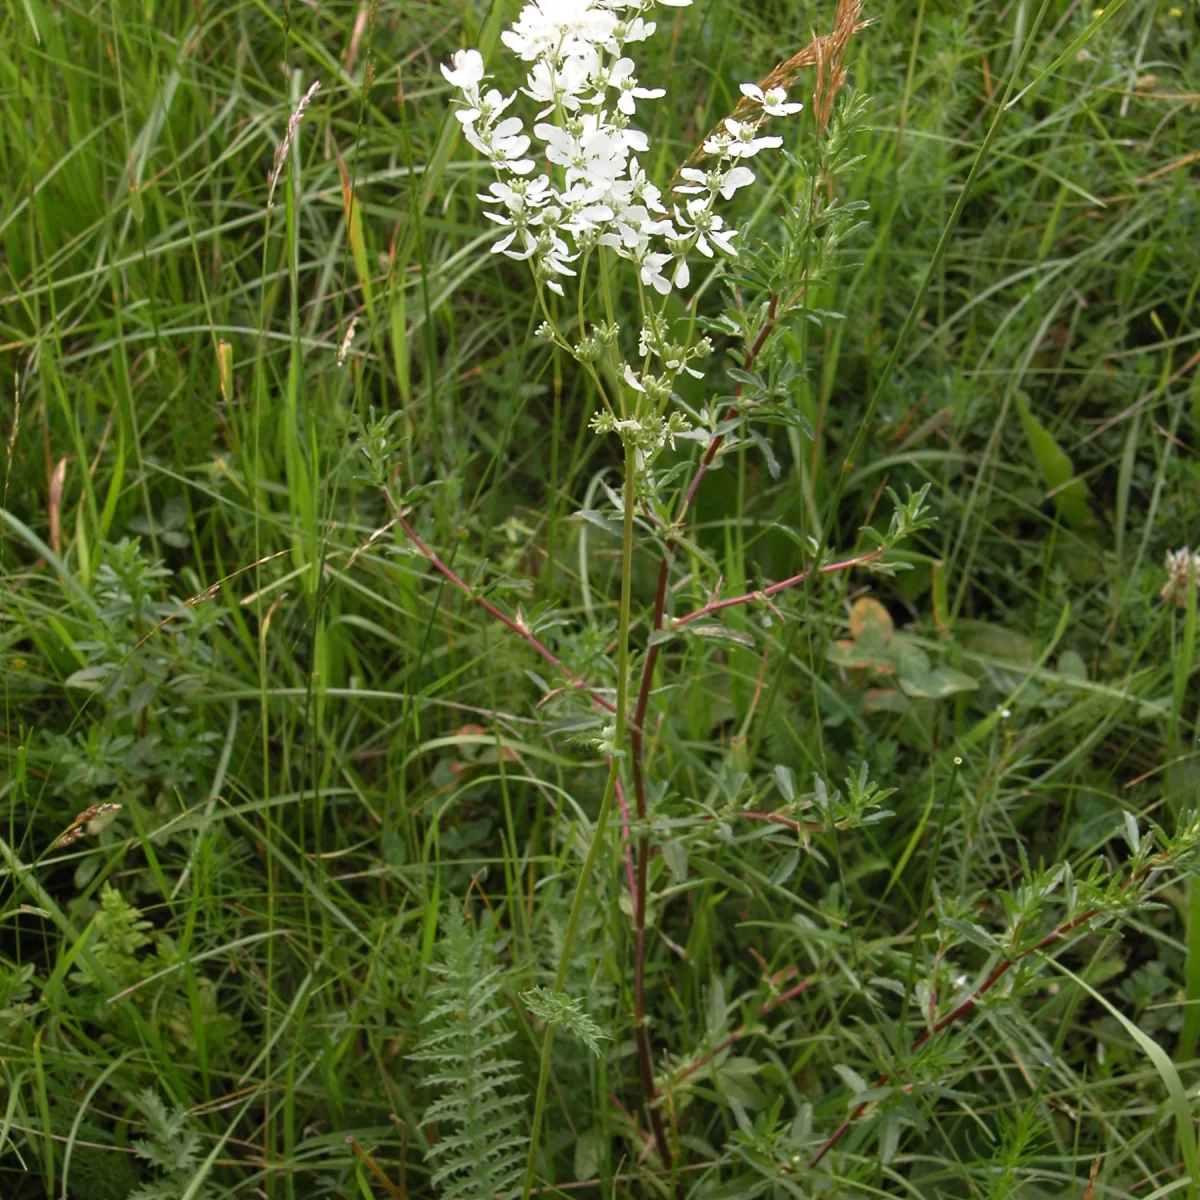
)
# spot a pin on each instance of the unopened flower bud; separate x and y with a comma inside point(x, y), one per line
point(657, 389)
point(606, 333)
point(587, 350)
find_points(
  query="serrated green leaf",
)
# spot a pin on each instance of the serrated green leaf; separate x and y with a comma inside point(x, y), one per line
point(556, 1008)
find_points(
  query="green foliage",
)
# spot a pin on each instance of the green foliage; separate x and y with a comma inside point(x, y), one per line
point(1070, 493)
point(556, 1009)
point(120, 933)
point(477, 1144)
point(173, 1150)
point(102, 1175)
point(865, 792)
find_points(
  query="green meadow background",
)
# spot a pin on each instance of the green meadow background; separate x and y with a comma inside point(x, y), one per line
point(320, 748)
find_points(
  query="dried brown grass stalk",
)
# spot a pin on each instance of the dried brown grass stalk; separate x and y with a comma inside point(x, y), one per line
point(86, 823)
point(825, 52)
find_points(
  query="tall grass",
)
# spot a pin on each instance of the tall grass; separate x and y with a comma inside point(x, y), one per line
point(325, 753)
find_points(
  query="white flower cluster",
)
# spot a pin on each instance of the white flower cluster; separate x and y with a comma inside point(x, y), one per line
point(586, 85)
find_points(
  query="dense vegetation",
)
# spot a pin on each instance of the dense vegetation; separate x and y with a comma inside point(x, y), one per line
point(292, 824)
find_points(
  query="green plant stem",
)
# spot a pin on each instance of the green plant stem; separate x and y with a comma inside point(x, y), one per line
point(606, 802)
point(923, 911)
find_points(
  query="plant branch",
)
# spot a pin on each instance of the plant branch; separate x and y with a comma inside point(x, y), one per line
point(742, 1030)
point(637, 747)
point(969, 1005)
point(625, 838)
point(516, 626)
point(714, 606)
point(775, 818)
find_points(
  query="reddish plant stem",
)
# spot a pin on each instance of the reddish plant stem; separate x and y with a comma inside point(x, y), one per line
point(969, 1005)
point(779, 819)
point(517, 628)
point(714, 606)
point(743, 1029)
point(637, 746)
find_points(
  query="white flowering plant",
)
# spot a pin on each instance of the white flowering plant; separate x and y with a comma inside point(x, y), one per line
point(594, 197)
point(572, 198)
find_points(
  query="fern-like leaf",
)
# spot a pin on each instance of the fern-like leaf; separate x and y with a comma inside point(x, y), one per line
point(555, 1008)
point(172, 1145)
point(479, 1115)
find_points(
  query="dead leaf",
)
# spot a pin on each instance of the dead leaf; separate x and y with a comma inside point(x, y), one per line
point(868, 614)
point(57, 478)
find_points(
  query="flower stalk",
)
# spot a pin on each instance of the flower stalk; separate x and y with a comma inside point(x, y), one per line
point(606, 803)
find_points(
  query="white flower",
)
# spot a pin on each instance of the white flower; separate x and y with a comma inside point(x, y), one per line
point(504, 145)
point(642, 190)
point(707, 226)
point(651, 265)
point(486, 109)
point(559, 28)
point(720, 182)
point(520, 194)
point(738, 141)
point(522, 199)
point(564, 84)
point(553, 259)
point(636, 30)
point(697, 181)
point(774, 101)
point(594, 157)
point(621, 77)
point(632, 139)
point(633, 229)
point(632, 379)
point(467, 72)
point(595, 190)
point(675, 359)
point(556, 259)
point(528, 245)
point(737, 177)
point(583, 217)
